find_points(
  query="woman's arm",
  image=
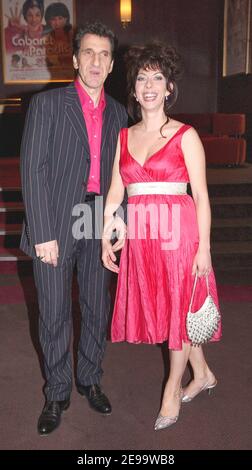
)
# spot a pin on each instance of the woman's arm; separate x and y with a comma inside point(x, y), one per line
point(195, 163)
point(114, 199)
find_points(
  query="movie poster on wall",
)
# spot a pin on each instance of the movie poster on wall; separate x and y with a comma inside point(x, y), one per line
point(237, 34)
point(37, 40)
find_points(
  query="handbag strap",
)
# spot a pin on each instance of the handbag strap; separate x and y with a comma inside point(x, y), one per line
point(194, 287)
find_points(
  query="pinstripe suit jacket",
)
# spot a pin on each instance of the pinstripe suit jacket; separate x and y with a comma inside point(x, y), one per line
point(55, 164)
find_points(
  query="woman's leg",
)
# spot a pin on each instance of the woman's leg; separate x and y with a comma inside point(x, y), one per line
point(171, 398)
point(202, 375)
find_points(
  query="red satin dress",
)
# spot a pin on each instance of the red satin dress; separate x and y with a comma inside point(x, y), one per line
point(155, 279)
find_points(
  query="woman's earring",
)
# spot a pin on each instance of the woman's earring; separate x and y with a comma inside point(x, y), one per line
point(135, 97)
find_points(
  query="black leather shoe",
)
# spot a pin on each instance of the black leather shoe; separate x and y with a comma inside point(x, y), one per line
point(96, 398)
point(50, 417)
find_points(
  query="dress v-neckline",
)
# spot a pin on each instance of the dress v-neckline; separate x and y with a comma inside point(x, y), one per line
point(155, 153)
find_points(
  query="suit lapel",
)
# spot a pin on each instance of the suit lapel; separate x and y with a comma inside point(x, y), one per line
point(75, 115)
point(108, 119)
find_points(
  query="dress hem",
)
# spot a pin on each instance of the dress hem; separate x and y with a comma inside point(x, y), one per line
point(134, 341)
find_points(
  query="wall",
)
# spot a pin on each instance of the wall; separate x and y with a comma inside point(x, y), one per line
point(191, 26)
point(235, 96)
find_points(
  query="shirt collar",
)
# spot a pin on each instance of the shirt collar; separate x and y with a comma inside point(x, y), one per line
point(86, 100)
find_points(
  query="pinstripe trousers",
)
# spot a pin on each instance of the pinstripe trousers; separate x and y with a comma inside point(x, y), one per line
point(54, 286)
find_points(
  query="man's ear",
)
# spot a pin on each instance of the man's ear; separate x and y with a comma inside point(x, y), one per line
point(111, 66)
point(75, 62)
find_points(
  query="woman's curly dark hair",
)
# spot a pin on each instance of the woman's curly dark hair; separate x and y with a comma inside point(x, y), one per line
point(155, 55)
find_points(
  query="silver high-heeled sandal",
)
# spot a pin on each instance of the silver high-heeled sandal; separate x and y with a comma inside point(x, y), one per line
point(163, 422)
point(208, 387)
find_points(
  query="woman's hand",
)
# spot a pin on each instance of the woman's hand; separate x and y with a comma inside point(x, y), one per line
point(108, 256)
point(202, 262)
point(121, 231)
point(108, 250)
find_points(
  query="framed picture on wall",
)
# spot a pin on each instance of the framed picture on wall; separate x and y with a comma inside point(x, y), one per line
point(37, 40)
point(237, 45)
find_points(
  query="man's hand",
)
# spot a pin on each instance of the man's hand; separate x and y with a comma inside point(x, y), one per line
point(48, 252)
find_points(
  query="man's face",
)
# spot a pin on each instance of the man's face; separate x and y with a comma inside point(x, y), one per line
point(94, 61)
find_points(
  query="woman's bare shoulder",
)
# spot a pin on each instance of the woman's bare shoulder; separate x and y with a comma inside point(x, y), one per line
point(173, 123)
point(134, 127)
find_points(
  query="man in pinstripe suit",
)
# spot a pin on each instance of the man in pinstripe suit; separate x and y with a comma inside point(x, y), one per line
point(67, 154)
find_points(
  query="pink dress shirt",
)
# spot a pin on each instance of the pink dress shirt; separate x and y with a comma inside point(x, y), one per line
point(93, 119)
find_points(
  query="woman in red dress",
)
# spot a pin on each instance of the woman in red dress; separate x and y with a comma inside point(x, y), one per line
point(168, 231)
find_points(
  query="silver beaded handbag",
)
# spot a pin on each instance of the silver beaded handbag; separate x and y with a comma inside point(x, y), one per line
point(202, 324)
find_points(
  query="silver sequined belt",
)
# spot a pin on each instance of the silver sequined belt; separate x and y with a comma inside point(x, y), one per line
point(159, 187)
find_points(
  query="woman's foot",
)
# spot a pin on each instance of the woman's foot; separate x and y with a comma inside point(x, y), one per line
point(197, 385)
point(169, 412)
